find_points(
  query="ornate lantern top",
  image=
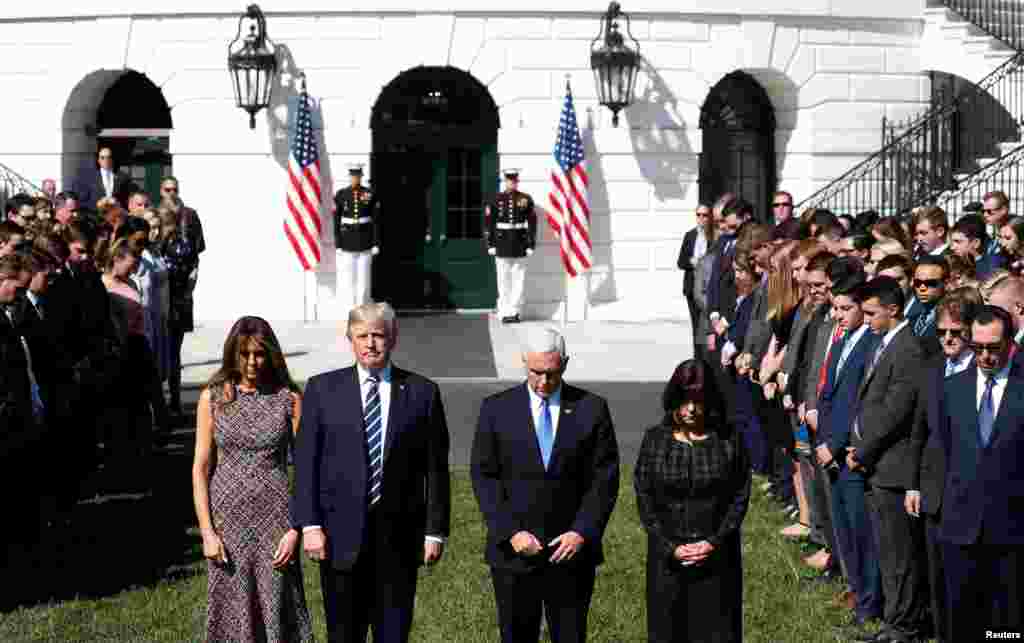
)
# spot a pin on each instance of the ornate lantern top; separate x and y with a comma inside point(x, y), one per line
point(615, 64)
point(252, 64)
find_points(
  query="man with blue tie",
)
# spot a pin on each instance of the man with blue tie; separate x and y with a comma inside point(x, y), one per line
point(545, 470)
point(927, 460)
point(836, 407)
point(371, 483)
point(982, 433)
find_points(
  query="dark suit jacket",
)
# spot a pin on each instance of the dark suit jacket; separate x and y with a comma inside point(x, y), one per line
point(930, 343)
point(837, 403)
point(817, 343)
point(49, 364)
point(927, 459)
point(577, 492)
point(987, 264)
point(331, 467)
point(80, 307)
point(887, 400)
point(89, 187)
point(15, 393)
point(722, 286)
point(983, 501)
point(759, 330)
point(685, 261)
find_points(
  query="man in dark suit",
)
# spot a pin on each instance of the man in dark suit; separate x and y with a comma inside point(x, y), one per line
point(836, 407)
point(928, 461)
point(881, 450)
point(695, 246)
point(970, 240)
point(371, 483)
point(981, 428)
point(929, 285)
point(102, 181)
point(545, 469)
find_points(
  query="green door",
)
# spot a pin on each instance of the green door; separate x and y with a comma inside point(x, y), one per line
point(432, 198)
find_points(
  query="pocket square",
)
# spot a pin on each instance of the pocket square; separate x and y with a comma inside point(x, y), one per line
point(568, 411)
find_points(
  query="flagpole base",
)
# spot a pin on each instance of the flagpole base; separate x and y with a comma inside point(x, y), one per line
point(577, 300)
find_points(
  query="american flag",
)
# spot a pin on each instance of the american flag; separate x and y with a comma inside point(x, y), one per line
point(302, 222)
point(569, 211)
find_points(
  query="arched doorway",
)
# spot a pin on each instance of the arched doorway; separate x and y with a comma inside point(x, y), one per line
point(134, 120)
point(434, 165)
point(979, 122)
point(738, 155)
point(125, 111)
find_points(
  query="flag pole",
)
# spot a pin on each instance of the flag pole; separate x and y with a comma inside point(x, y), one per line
point(568, 278)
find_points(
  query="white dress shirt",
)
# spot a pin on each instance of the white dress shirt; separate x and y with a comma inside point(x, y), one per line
point(108, 181)
point(537, 407)
point(887, 338)
point(959, 364)
point(938, 251)
point(997, 389)
point(700, 247)
point(34, 300)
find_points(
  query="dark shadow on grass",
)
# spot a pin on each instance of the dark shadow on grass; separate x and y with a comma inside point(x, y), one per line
point(130, 528)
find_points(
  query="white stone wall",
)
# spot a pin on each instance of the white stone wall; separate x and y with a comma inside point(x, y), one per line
point(831, 79)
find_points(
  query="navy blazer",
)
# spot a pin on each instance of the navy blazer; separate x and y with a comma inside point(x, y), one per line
point(837, 404)
point(927, 458)
point(987, 264)
point(577, 491)
point(722, 285)
point(331, 466)
point(984, 494)
point(89, 187)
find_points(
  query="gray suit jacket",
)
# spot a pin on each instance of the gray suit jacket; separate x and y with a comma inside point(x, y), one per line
point(759, 332)
point(888, 398)
point(817, 359)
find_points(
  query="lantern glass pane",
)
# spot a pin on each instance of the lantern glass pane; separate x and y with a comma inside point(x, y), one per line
point(616, 87)
point(267, 86)
point(252, 89)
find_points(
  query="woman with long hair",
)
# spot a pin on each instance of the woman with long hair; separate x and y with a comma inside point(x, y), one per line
point(181, 260)
point(1011, 243)
point(692, 483)
point(247, 418)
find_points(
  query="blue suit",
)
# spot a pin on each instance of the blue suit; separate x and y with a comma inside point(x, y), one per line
point(989, 263)
point(372, 554)
point(837, 406)
point(983, 509)
point(576, 492)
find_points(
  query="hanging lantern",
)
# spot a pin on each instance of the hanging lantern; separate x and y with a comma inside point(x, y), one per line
point(615, 64)
point(252, 64)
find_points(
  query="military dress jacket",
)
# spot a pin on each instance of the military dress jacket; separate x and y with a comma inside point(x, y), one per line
point(356, 219)
point(511, 224)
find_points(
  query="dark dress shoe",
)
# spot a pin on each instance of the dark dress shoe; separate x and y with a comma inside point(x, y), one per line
point(506, 319)
point(515, 318)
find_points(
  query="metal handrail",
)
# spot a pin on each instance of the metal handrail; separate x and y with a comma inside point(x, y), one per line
point(12, 183)
point(915, 164)
point(1005, 173)
point(1002, 19)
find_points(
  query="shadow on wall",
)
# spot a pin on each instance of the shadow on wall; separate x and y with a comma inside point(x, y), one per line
point(78, 123)
point(602, 279)
point(282, 98)
point(658, 134)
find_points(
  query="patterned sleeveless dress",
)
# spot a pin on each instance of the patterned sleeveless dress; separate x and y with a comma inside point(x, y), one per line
point(249, 600)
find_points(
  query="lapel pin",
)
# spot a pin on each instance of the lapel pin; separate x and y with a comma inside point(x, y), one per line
point(568, 411)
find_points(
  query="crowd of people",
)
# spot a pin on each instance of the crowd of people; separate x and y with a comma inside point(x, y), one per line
point(97, 302)
point(871, 367)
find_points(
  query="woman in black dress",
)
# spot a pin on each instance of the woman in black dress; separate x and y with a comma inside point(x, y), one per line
point(692, 482)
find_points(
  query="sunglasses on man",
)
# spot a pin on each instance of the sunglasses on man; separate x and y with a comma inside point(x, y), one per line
point(927, 283)
point(955, 333)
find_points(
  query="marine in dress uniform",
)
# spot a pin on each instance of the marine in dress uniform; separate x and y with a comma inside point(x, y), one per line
point(356, 239)
point(511, 237)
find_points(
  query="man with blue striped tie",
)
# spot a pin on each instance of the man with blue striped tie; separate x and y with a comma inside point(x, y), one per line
point(545, 469)
point(371, 483)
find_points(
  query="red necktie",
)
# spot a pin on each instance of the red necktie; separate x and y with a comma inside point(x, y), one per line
point(823, 373)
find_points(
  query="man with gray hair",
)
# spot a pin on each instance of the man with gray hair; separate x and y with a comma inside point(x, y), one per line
point(371, 483)
point(545, 470)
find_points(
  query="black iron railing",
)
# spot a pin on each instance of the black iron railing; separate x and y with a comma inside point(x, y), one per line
point(921, 159)
point(1003, 19)
point(1005, 173)
point(12, 183)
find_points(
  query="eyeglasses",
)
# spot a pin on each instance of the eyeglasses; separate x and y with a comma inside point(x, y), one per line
point(782, 205)
point(955, 333)
point(991, 348)
point(991, 210)
point(821, 285)
point(927, 283)
point(168, 189)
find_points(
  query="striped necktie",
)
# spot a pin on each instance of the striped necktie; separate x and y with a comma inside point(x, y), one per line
point(374, 447)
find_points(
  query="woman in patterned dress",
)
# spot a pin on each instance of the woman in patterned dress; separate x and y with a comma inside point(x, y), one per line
point(247, 417)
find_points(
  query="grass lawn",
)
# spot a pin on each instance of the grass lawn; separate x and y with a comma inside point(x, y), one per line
point(455, 599)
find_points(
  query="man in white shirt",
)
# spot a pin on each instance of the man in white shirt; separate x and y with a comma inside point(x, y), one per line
point(931, 232)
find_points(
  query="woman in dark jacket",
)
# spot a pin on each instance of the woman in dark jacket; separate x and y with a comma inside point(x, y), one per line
point(692, 482)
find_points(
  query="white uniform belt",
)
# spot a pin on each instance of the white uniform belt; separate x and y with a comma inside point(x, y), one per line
point(512, 226)
point(355, 221)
